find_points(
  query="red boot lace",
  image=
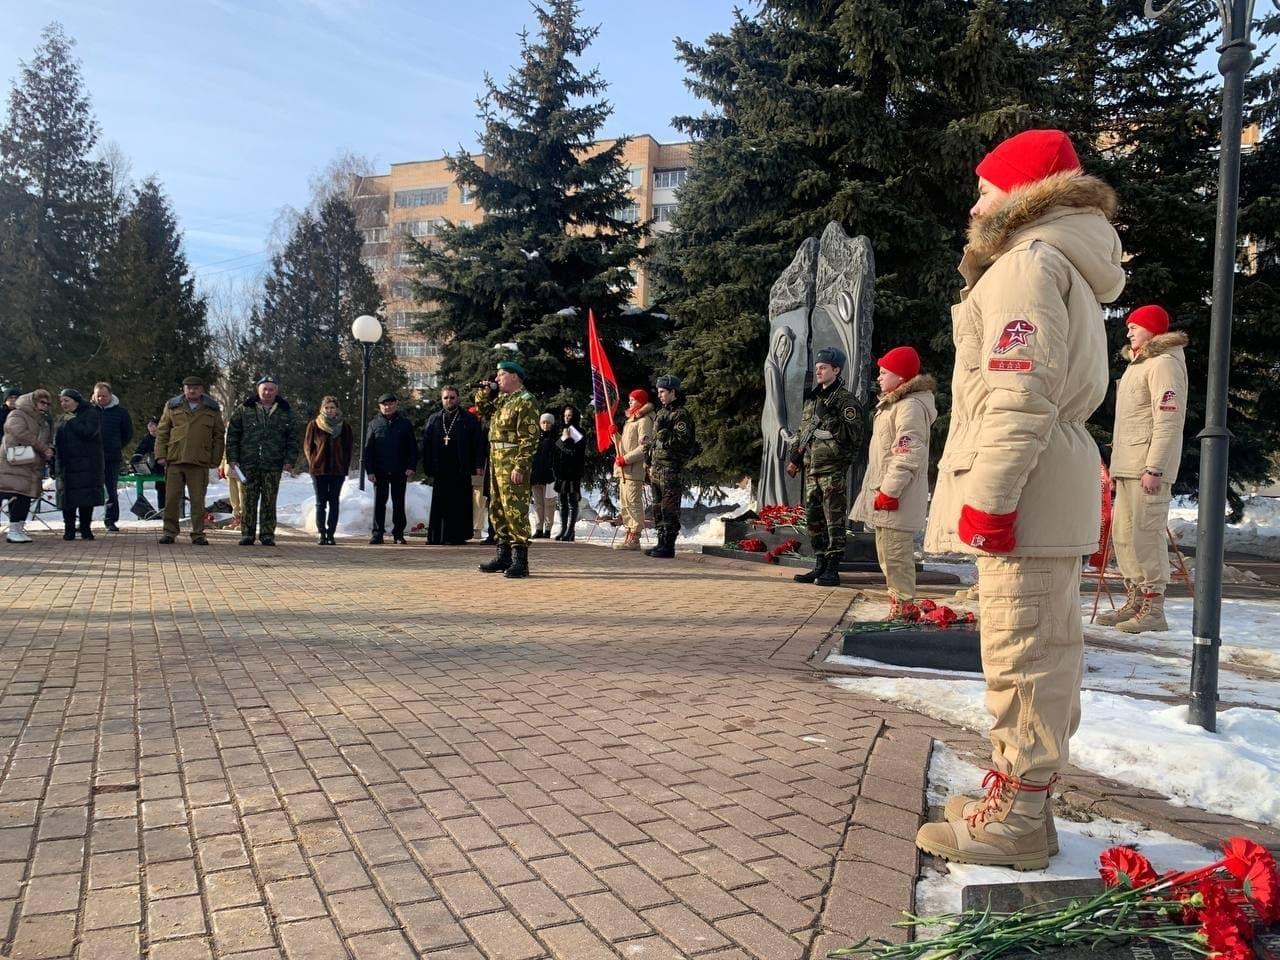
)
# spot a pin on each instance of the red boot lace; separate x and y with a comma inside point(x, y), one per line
point(995, 783)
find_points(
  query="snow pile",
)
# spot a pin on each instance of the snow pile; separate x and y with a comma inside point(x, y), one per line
point(1235, 772)
point(1258, 533)
point(355, 508)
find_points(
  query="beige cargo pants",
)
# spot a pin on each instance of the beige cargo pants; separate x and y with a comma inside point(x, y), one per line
point(1138, 524)
point(1033, 660)
point(895, 549)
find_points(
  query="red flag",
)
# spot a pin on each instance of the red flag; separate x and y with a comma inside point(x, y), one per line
point(604, 386)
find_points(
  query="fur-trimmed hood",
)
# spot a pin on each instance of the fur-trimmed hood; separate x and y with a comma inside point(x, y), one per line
point(920, 383)
point(1161, 343)
point(207, 400)
point(1069, 211)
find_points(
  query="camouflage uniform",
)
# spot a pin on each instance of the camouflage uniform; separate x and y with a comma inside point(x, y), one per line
point(513, 439)
point(837, 422)
point(262, 443)
point(674, 445)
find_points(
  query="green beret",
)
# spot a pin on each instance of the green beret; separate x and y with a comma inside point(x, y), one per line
point(512, 367)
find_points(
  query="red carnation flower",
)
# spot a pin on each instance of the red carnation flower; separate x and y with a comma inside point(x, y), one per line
point(1241, 854)
point(1262, 886)
point(1125, 867)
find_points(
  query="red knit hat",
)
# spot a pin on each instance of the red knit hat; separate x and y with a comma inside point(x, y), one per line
point(1151, 317)
point(903, 361)
point(1027, 157)
point(638, 398)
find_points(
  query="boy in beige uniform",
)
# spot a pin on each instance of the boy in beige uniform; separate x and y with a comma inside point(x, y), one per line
point(895, 488)
point(1146, 448)
point(628, 466)
point(1018, 479)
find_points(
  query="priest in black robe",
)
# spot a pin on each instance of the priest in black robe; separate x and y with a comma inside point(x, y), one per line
point(452, 453)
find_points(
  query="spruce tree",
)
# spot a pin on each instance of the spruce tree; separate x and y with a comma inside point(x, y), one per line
point(551, 244)
point(54, 207)
point(152, 325)
point(300, 331)
point(869, 114)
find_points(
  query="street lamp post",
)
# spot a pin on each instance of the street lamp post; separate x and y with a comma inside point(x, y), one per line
point(1234, 61)
point(367, 331)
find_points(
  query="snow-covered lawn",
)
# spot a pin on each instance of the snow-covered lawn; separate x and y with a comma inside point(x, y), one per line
point(1257, 533)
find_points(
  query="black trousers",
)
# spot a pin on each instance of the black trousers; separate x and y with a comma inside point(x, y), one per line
point(69, 515)
point(19, 508)
point(112, 512)
point(394, 486)
point(327, 491)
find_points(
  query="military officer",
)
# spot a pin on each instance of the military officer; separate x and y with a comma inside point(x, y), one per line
point(262, 441)
point(512, 415)
point(831, 431)
point(672, 446)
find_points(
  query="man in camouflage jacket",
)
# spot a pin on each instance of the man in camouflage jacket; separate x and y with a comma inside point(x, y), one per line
point(512, 415)
point(262, 440)
point(672, 447)
point(831, 433)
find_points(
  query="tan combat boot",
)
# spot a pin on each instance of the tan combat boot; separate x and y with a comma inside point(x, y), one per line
point(960, 807)
point(1150, 616)
point(968, 595)
point(895, 608)
point(1127, 612)
point(630, 542)
point(1008, 830)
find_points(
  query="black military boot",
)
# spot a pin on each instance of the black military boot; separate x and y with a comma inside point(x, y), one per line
point(830, 576)
point(666, 548)
point(519, 564)
point(819, 568)
point(501, 560)
point(572, 524)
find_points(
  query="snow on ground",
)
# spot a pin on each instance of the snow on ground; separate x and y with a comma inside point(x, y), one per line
point(1140, 742)
point(1258, 533)
point(1081, 843)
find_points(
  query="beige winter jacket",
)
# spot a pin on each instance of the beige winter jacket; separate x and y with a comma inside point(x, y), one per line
point(25, 427)
point(898, 460)
point(636, 429)
point(1151, 409)
point(1031, 367)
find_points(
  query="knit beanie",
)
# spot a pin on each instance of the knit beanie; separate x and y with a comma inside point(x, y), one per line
point(1151, 317)
point(1027, 157)
point(638, 398)
point(903, 361)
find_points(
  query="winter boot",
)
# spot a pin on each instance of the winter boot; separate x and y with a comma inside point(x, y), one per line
point(630, 542)
point(563, 503)
point(819, 567)
point(519, 565)
point(1150, 616)
point(1007, 830)
point(18, 532)
point(572, 524)
point(1114, 618)
point(501, 560)
point(968, 595)
point(69, 531)
point(830, 576)
point(666, 548)
point(960, 808)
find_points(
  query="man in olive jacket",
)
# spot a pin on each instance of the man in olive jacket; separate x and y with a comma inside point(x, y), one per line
point(672, 447)
point(1146, 449)
point(831, 431)
point(189, 442)
point(1018, 479)
point(262, 440)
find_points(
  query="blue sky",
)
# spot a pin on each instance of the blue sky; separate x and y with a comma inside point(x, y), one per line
point(233, 104)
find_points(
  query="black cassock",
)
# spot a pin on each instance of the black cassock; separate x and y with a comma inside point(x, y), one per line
point(451, 452)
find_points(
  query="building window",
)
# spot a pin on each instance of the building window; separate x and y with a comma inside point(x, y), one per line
point(404, 319)
point(423, 197)
point(663, 212)
point(628, 213)
point(465, 224)
point(670, 179)
point(376, 264)
point(419, 228)
point(402, 290)
point(375, 235)
point(403, 258)
point(423, 381)
point(465, 194)
point(635, 176)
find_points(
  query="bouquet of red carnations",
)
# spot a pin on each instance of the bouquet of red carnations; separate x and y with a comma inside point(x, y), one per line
point(780, 515)
point(1212, 911)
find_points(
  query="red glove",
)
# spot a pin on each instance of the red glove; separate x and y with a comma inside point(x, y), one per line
point(619, 461)
point(992, 532)
point(884, 502)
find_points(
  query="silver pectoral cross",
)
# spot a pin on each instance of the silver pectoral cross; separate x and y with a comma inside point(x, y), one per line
point(446, 441)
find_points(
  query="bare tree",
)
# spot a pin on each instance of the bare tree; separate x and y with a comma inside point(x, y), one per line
point(337, 178)
point(119, 169)
point(231, 301)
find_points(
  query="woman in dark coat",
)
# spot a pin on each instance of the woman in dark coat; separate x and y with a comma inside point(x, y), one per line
point(569, 463)
point(80, 470)
point(327, 445)
point(544, 477)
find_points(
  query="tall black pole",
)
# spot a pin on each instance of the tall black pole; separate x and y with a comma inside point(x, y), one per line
point(364, 403)
point(1236, 57)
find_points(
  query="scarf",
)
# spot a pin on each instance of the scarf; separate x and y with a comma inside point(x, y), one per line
point(331, 425)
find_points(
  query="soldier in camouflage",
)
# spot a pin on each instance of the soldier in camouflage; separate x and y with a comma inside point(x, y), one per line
point(512, 415)
point(262, 440)
point(831, 432)
point(672, 446)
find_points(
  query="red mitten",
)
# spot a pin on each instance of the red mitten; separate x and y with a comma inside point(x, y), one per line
point(992, 532)
point(883, 502)
point(619, 461)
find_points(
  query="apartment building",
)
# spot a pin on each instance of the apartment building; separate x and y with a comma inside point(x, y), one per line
point(414, 198)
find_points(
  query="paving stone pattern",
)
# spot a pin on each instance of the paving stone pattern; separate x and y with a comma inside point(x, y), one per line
point(365, 753)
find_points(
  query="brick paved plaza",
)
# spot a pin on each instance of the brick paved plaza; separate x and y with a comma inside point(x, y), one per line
point(381, 753)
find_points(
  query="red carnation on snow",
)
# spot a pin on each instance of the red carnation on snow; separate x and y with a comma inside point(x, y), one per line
point(1125, 867)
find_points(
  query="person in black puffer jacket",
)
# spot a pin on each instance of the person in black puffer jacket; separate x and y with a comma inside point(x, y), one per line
point(390, 458)
point(544, 478)
point(569, 463)
point(80, 475)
